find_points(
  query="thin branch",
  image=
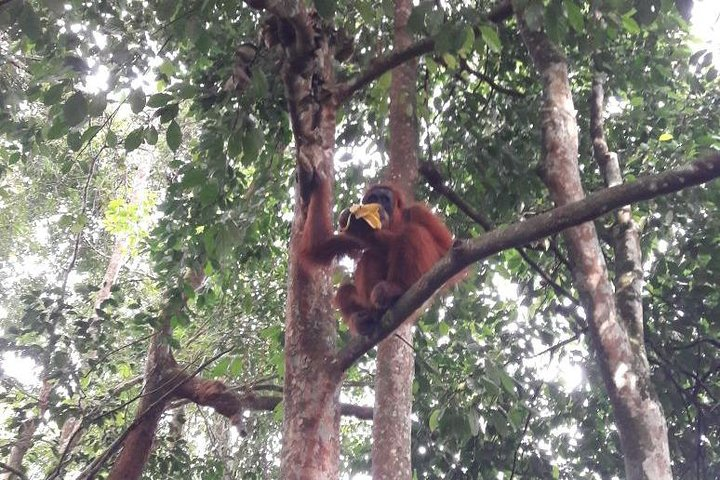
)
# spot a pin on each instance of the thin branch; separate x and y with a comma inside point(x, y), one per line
point(102, 359)
point(524, 432)
point(7, 467)
point(231, 404)
point(715, 343)
point(521, 233)
point(489, 80)
point(559, 345)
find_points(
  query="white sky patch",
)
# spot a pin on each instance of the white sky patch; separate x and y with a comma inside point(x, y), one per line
point(100, 39)
point(506, 289)
point(22, 369)
point(705, 26)
point(97, 81)
point(571, 375)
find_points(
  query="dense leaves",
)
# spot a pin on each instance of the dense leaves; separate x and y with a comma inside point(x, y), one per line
point(96, 94)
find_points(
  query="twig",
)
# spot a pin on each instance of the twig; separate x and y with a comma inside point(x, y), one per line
point(560, 344)
point(525, 428)
point(385, 63)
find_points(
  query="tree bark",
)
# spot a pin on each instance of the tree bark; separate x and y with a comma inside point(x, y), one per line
point(395, 357)
point(638, 414)
point(137, 445)
point(25, 435)
point(311, 422)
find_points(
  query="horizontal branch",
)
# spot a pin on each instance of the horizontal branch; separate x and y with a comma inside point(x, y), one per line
point(231, 404)
point(9, 468)
point(518, 234)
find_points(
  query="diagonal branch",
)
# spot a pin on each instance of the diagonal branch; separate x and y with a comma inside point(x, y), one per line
point(382, 64)
point(434, 178)
point(518, 234)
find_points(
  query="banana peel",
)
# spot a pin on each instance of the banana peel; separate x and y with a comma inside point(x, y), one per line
point(370, 212)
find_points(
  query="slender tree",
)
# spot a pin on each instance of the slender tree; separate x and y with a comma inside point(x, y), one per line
point(395, 357)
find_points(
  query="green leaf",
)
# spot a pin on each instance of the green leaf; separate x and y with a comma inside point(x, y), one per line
point(326, 8)
point(235, 367)
point(53, 94)
point(74, 142)
point(158, 100)
point(137, 100)
point(416, 22)
point(234, 146)
point(253, 140)
point(491, 38)
point(208, 194)
point(134, 139)
point(75, 109)
point(473, 419)
point(630, 24)
point(165, 9)
point(29, 22)
point(90, 133)
point(173, 136)
point(534, 16)
point(574, 16)
point(220, 368)
point(167, 68)
point(167, 113)
point(97, 106)
point(366, 11)
point(260, 85)
point(111, 139)
point(434, 420)
point(57, 129)
point(151, 135)
point(665, 137)
point(193, 178)
point(443, 41)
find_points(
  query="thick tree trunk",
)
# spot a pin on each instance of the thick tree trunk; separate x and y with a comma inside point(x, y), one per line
point(395, 357)
point(638, 414)
point(311, 422)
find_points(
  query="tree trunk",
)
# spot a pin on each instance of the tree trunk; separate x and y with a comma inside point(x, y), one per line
point(311, 421)
point(119, 252)
point(137, 445)
point(638, 414)
point(395, 358)
point(25, 435)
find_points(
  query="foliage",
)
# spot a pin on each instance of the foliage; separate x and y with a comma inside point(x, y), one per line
point(91, 90)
